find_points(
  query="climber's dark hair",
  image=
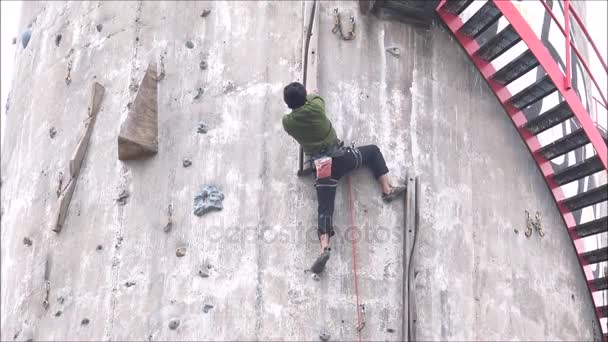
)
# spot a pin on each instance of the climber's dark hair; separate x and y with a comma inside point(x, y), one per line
point(294, 95)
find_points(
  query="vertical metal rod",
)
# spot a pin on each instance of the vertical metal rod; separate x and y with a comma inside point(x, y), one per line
point(568, 48)
point(305, 71)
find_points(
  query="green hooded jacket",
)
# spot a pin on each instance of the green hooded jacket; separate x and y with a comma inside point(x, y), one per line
point(310, 126)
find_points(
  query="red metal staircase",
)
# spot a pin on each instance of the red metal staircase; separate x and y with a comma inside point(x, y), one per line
point(468, 32)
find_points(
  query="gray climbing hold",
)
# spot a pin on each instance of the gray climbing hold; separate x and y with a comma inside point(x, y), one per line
point(99, 247)
point(52, 132)
point(173, 324)
point(205, 13)
point(27, 241)
point(58, 313)
point(203, 65)
point(167, 228)
point(14, 40)
point(209, 198)
point(99, 27)
point(315, 277)
point(202, 128)
point(199, 93)
point(229, 86)
point(180, 252)
point(189, 44)
point(85, 321)
point(122, 198)
point(25, 37)
point(58, 39)
point(324, 336)
point(130, 283)
point(207, 308)
point(186, 162)
point(203, 273)
point(390, 330)
point(395, 51)
point(60, 300)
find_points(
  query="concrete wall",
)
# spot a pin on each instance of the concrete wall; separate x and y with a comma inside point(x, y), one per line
point(478, 276)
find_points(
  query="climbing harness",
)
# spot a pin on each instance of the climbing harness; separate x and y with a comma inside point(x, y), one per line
point(338, 26)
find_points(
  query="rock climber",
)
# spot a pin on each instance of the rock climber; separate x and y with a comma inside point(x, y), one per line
point(309, 126)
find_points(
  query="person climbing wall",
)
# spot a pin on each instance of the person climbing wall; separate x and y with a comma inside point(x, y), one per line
point(309, 126)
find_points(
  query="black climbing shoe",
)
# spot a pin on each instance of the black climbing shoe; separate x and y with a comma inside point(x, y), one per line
point(319, 264)
point(393, 193)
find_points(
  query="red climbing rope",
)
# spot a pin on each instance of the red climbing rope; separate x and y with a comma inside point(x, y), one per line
point(354, 243)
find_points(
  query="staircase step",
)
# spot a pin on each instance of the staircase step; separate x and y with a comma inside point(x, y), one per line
point(578, 171)
point(603, 310)
point(550, 118)
point(593, 227)
point(595, 256)
point(533, 93)
point(599, 284)
point(587, 198)
point(516, 68)
point(487, 15)
point(456, 6)
point(565, 144)
point(500, 43)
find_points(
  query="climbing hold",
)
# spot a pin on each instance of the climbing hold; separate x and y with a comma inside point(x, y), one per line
point(315, 277)
point(229, 86)
point(60, 300)
point(14, 40)
point(173, 324)
point(99, 247)
point(189, 44)
point(205, 13)
point(85, 321)
point(167, 228)
point(122, 198)
point(130, 283)
point(133, 87)
point(58, 39)
point(136, 39)
point(58, 313)
point(199, 93)
point(203, 273)
point(25, 36)
point(202, 128)
point(99, 27)
point(186, 162)
point(390, 330)
point(203, 65)
point(138, 136)
point(207, 199)
point(207, 308)
point(52, 132)
point(27, 241)
point(324, 336)
point(395, 51)
point(180, 252)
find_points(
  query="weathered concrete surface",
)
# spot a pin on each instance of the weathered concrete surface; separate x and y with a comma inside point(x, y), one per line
point(428, 110)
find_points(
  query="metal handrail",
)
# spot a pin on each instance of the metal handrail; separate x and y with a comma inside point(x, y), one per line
point(569, 10)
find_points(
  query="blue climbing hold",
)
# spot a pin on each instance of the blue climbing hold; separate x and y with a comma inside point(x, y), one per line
point(25, 37)
point(209, 198)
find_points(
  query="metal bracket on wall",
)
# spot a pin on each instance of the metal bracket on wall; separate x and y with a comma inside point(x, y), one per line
point(350, 35)
point(411, 220)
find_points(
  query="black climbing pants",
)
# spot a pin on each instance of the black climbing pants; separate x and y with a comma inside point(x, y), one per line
point(352, 159)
